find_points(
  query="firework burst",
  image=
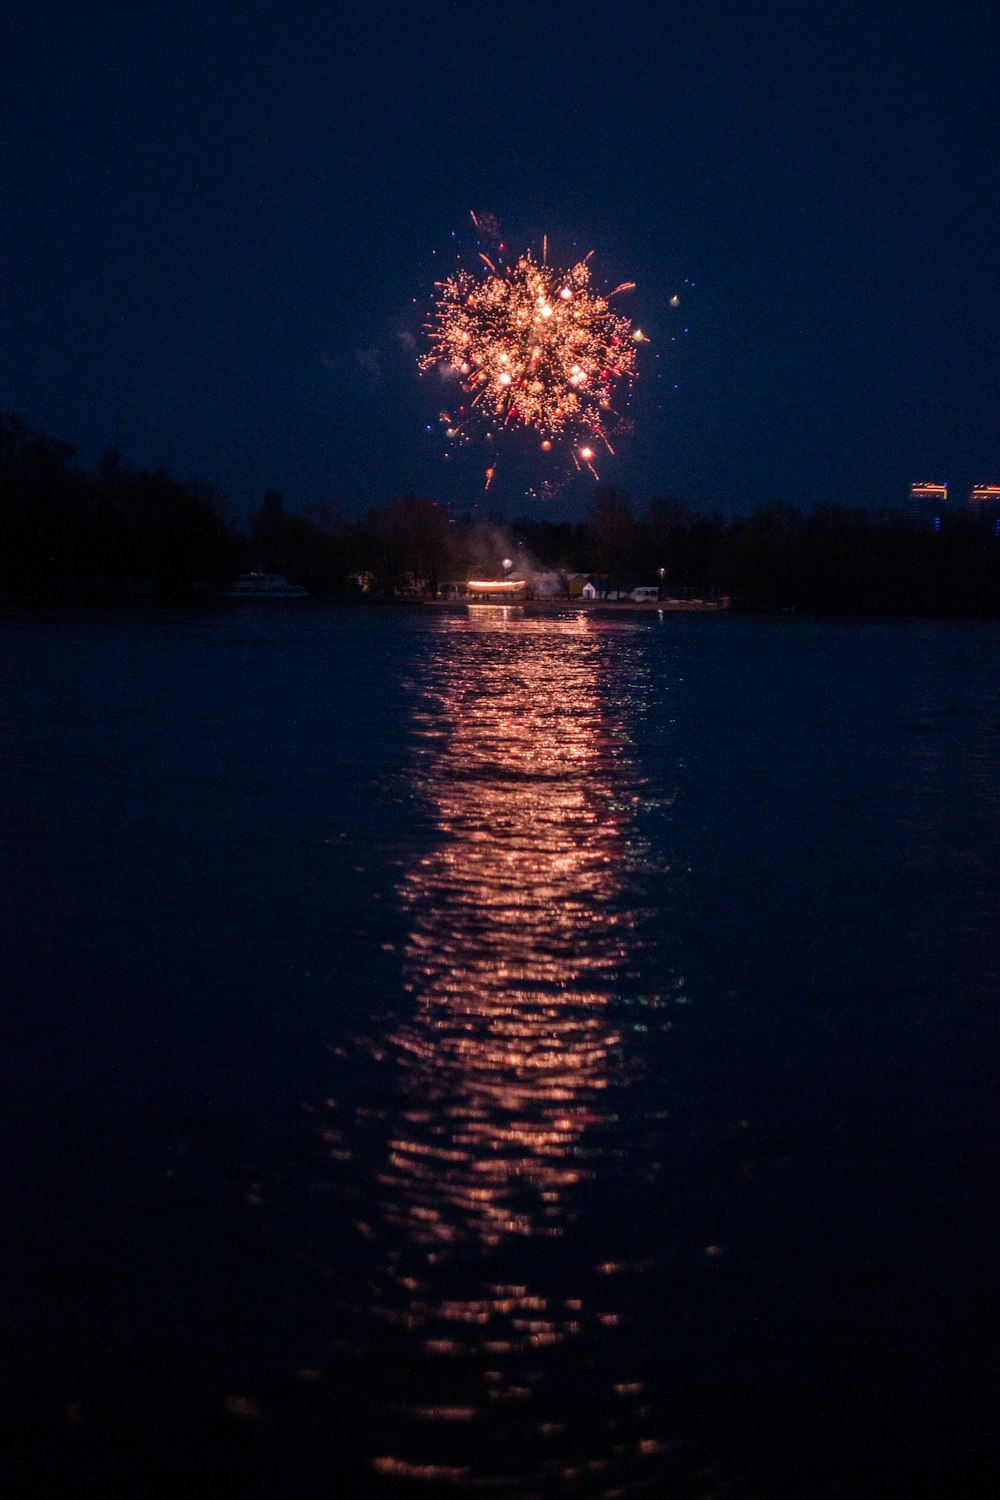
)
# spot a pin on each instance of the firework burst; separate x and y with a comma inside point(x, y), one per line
point(533, 346)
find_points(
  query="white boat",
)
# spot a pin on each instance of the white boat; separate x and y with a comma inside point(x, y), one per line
point(264, 586)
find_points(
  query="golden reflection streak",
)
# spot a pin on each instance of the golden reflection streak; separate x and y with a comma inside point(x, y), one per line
point(514, 942)
point(517, 935)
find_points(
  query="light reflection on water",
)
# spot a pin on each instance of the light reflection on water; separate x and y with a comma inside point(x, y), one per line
point(514, 945)
point(507, 1067)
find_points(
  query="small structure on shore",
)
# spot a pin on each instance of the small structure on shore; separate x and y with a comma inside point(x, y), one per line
point(497, 590)
point(505, 590)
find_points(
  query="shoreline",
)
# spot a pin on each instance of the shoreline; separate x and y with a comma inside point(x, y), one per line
point(588, 606)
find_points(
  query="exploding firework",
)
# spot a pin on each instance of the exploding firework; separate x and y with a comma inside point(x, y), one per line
point(533, 346)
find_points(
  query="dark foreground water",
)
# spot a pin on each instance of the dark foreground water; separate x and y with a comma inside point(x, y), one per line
point(458, 1053)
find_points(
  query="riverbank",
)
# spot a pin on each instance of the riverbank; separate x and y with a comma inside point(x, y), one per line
point(588, 606)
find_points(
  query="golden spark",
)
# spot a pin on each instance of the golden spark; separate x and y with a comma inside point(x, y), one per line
point(536, 346)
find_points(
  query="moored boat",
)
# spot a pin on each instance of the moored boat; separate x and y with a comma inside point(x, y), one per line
point(255, 586)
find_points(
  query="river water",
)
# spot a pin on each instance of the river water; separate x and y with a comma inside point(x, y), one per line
point(476, 1052)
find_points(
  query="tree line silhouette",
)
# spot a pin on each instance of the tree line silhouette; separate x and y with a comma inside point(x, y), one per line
point(118, 532)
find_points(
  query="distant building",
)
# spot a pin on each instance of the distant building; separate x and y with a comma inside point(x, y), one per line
point(984, 503)
point(600, 586)
point(930, 501)
point(497, 590)
point(926, 489)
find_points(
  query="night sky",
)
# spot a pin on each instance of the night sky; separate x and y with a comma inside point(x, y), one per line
point(222, 222)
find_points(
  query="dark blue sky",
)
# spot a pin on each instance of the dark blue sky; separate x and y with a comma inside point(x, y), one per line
point(217, 217)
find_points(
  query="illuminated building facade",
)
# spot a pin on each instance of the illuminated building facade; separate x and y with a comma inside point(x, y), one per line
point(984, 503)
point(930, 500)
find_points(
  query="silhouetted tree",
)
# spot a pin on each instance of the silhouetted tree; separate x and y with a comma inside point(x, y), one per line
point(118, 530)
point(410, 540)
point(42, 504)
point(114, 530)
point(612, 530)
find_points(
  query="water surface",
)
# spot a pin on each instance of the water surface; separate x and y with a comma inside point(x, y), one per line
point(476, 1052)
